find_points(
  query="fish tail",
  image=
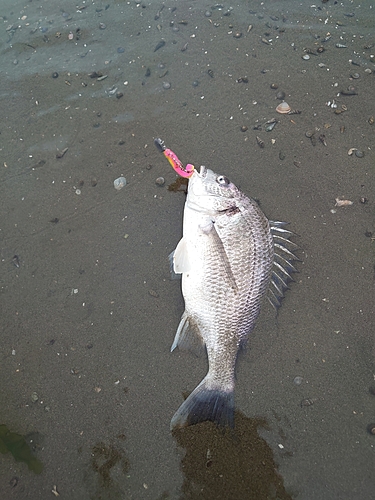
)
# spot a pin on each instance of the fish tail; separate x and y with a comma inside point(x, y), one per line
point(205, 403)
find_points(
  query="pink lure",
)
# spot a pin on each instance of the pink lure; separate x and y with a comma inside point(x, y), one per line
point(177, 165)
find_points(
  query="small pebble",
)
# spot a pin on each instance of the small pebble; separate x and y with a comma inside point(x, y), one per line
point(280, 95)
point(160, 181)
point(371, 429)
point(102, 26)
point(166, 85)
point(243, 128)
point(195, 83)
point(34, 397)
point(13, 482)
point(55, 74)
point(120, 50)
point(305, 57)
point(119, 183)
point(359, 154)
point(298, 380)
point(274, 86)
point(208, 13)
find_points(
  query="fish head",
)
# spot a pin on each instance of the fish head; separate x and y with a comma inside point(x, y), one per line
point(211, 192)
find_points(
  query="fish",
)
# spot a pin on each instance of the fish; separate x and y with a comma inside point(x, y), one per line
point(230, 257)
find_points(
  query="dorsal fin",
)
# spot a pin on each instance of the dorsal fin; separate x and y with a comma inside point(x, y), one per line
point(283, 266)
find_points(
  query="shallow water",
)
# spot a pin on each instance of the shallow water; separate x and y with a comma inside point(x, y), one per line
point(88, 310)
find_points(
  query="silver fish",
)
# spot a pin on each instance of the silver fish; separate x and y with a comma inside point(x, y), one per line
point(230, 255)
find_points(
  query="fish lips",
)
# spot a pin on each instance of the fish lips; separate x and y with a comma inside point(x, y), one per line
point(206, 195)
point(197, 186)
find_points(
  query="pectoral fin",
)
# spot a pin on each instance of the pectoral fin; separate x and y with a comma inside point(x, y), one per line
point(181, 259)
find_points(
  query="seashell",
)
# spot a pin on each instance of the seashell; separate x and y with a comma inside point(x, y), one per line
point(283, 108)
point(322, 139)
point(260, 142)
point(342, 203)
point(270, 126)
point(341, 46)
point(119, 183)
point(308, 402)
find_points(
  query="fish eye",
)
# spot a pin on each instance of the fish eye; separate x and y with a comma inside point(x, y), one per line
point(222, 180)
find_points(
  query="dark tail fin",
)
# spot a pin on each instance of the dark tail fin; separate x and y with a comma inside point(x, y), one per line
point(205, 404)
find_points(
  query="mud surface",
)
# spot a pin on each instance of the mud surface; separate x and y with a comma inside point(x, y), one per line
point(88, 310)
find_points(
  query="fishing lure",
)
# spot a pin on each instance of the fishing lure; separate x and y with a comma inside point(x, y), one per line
point(174, 160)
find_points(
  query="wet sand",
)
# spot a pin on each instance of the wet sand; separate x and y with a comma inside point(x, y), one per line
point(88, 310)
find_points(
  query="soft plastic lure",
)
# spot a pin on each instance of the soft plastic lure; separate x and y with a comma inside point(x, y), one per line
point(174, 160)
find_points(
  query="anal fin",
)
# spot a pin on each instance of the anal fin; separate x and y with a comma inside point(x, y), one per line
point(188, 336)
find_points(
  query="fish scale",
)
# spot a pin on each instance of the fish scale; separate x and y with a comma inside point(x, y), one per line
point(227, 260)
